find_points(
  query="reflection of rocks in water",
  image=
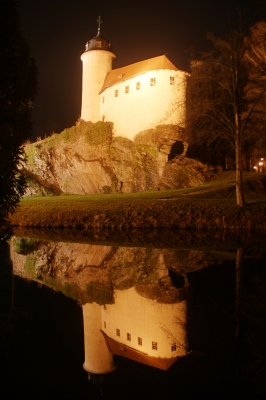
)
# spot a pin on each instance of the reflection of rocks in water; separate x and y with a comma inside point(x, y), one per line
point(133, 327)
point(90, 273)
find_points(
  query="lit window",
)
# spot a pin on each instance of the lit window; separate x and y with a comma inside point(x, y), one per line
point(153, 81)
point(172, 80)
point(137, 85)
point(104, 324)
point(173, 347)
point(103, 99)
point(116, 93)
point(127, 89)
point(118, 332)
point(99, 43)
point(129, 336)
point(154, 346)
point(139, 341)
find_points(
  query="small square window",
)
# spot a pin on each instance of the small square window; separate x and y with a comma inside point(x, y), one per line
point(129, 336)
point(154, 346)
point(153, 81)
point(139, 341)
point(116, 93)
point(118, 332)
point(127, 89)
point(173, 348)
point(104, 324)
point(137, 85)
point(172, 80)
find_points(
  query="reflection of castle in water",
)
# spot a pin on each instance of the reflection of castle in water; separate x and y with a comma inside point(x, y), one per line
point(134, 327)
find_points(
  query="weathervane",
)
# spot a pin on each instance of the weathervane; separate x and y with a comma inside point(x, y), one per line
point(99, 25)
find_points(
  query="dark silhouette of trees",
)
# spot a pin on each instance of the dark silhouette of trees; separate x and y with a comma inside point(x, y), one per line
point(18, 87)
point(226, 101)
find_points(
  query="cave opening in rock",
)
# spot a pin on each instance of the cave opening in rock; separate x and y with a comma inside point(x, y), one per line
point(176, 150)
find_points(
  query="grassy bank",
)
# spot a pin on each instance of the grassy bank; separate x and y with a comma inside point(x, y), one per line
point(210, 206)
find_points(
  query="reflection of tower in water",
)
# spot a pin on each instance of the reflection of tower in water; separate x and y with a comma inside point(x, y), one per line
point(134, 327)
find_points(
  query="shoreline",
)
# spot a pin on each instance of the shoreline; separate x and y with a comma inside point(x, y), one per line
point(123, 214)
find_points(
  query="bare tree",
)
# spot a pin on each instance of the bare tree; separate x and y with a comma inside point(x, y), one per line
point(226, 98)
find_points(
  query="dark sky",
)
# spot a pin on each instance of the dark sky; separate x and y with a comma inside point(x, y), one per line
point(57, 31)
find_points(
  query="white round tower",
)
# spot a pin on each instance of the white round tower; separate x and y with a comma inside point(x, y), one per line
point(97, 62)
point(98, 359)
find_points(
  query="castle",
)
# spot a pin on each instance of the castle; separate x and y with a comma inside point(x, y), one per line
point(136, 97)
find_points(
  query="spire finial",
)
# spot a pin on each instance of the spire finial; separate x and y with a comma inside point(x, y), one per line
point(99, 25)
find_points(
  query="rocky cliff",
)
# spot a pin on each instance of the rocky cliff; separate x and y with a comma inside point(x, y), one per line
point(87, 158)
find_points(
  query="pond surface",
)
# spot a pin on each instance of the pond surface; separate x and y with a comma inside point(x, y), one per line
point(143, 315)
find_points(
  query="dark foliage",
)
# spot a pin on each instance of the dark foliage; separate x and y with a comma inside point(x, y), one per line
point(18, 87)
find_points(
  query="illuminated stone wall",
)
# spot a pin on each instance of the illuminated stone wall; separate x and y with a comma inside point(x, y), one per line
point(152, 322)
point(96, 64)
point(133, 110)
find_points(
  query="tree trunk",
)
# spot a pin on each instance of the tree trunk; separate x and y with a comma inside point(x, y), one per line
point(240, 201)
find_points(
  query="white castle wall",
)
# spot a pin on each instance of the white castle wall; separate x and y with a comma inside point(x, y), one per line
point(96, 64)
point(147, 107)
point(149, 320)
point(98, 359)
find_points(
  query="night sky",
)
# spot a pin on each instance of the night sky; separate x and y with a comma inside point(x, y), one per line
point(57, 31)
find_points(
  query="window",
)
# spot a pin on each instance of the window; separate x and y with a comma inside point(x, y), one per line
point(118, 332)
point(116, 93)
point(154, 346)
point(153, 81)
point(99, 43)
point(172, 80)
point(103, 119)
point(104, 324)
point(139, 341)
point(129, 336)
point(103, 99)
point(137, 85)
point(127, 89)
point(173, 348)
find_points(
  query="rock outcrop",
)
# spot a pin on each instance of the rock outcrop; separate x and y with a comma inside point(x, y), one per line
point(88, 159)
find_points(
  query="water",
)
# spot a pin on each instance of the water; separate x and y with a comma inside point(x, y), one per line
point(183, 315)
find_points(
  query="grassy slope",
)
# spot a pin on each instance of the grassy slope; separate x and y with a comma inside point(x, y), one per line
point(209, 206)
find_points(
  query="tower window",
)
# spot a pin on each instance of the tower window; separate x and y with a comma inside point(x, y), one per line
point(172, 80)
point(153, 81)
point(99, 44)
point(103, 99)
point(173, 348)
point(129, 337)
point(116, 93)
point(104, 324)
point(154, 346)
point(139, 341)
point(127, 89)
point(137, 85)
point(117, 332)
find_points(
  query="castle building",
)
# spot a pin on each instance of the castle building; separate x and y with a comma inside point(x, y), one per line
point(136, 97)
point(134, 327)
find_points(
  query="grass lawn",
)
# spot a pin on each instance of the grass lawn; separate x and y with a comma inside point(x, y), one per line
point(210, 205)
